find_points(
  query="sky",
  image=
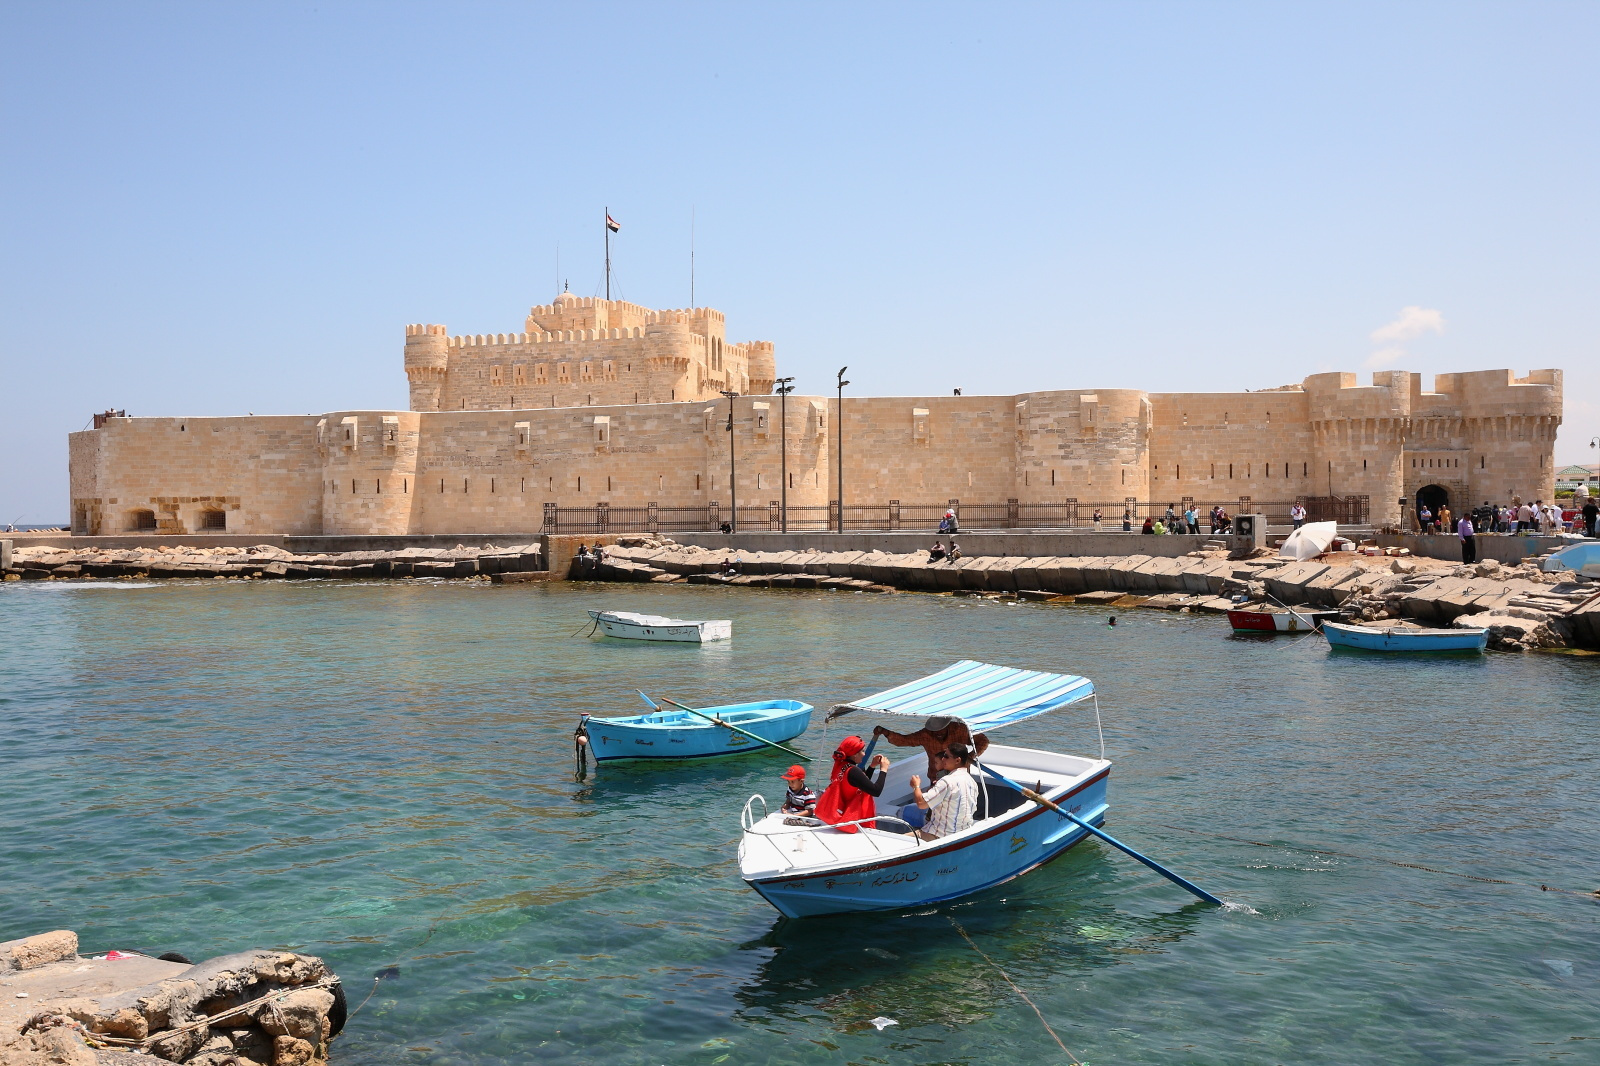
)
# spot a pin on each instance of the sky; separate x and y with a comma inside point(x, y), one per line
point(217, 209)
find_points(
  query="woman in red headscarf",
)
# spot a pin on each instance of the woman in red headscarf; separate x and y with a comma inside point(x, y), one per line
point(850, 791)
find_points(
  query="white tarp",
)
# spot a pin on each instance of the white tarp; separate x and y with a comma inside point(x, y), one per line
point(1309, 541)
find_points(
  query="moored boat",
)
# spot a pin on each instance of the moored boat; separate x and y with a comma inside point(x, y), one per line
point(1260, 620)
point(1398, 638)
point(631, 626)
point(672, 733)
point(821, 869)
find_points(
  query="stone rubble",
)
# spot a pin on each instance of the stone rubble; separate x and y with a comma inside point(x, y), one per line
point(1522, 607)
point(78, 1011)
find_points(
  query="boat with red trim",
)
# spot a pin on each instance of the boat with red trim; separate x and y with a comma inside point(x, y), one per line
point(813, 869)
point(1278, 620)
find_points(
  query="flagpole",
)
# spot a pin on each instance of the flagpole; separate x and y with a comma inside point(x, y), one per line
point(606, 225)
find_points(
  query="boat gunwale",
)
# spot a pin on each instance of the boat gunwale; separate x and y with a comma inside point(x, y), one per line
point(951, 844)
point(689, 721)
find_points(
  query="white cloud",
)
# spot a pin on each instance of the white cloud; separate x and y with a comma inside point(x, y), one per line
point(1412, 322)
point(1409, 324)
point(1383, 357)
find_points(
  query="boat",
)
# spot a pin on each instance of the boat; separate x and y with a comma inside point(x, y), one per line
point(672, 733)
point(1261, 620)
point(631, 626)
point(811, 870)
point(1397, 638)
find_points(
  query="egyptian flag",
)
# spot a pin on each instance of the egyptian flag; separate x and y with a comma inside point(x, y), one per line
point(612, 224)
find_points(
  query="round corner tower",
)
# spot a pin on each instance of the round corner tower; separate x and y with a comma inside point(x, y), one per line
point(427, 359)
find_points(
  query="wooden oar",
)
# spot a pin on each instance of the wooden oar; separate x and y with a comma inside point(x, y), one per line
point(728, 725)
point(1107, 837)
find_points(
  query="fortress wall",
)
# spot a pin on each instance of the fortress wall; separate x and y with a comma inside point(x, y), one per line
point(1218, 447)
point(1089, 445)
point(964, 448)
point(263, 473)
point(369, 472)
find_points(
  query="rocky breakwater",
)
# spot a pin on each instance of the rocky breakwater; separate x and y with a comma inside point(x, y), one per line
point(266, 562)
point(1523, 608)
point(254, 1008)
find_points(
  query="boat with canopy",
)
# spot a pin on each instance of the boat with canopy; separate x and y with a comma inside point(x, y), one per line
point(1033, 805)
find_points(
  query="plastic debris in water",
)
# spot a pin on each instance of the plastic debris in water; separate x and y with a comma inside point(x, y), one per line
point(880, 953)
point(881, 1023)
point(1560, 966)
point(387, 972)
point(718, 1041)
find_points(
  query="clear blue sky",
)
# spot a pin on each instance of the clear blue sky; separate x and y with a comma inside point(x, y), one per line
point(221, 208)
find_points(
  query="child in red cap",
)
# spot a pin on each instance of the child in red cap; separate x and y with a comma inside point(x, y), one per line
point(798, 799)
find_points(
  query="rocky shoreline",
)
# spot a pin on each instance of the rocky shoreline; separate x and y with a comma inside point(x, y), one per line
point(267, 562)
point(253, 1008)
point(1523, 607)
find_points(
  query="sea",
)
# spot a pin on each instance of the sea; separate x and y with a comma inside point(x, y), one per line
point(382, 774)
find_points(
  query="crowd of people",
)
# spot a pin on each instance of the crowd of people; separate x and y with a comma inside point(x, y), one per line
point(1518, 516)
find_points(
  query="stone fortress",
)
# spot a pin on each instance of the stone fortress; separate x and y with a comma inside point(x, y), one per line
point(604, 404)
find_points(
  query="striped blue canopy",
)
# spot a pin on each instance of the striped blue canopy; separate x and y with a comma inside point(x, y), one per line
point(982, 695)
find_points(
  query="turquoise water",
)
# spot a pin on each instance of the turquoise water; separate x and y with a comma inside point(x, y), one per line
point(381, 774)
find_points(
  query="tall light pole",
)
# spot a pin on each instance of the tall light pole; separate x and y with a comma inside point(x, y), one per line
point(733, 485)
point(838, 481)
point(784, 386)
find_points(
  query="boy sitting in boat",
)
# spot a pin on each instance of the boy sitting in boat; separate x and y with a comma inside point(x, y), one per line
point(798, 799)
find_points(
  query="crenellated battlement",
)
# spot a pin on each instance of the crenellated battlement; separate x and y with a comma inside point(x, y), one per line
point(421, 330)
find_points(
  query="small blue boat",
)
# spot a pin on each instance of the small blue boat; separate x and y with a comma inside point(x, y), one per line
point(1383, 638)
point(678, 734)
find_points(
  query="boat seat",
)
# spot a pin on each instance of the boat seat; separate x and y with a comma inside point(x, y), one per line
point(995, 799)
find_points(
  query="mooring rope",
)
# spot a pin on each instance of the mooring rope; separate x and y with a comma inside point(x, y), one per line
point(1007, 978)
point(1391, 862)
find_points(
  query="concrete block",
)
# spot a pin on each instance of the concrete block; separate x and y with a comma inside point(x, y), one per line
point(1334, 585)
point(974, 573)
point(839, 563)
point(1288, 583)
point(1099, 598)
point(1119, 572)
point(30, 952)
point(1003, 573)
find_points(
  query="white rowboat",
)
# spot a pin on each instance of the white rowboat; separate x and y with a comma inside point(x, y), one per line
point(631, 626)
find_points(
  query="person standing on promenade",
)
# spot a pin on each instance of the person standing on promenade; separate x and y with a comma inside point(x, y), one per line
point(1191, 516)
point(1297, 515)
point(1524, 518)
point(1097, 517)
point(1469, 543)
point(1591, 513)
point(1127, 520)
point(1424, 519)
point(1446, 519)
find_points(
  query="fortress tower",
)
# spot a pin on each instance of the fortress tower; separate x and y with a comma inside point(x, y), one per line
point(585, 352)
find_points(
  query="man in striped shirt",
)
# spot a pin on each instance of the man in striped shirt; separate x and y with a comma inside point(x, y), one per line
point(950, 804)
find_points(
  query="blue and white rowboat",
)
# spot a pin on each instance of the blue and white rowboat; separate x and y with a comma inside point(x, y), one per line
point(1384, 638)
point(675, 734)
point(812, 870)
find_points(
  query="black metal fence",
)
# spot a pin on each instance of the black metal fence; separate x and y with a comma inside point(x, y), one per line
point(894, 516)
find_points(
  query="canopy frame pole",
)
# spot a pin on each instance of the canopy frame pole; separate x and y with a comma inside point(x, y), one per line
point(1097, 727)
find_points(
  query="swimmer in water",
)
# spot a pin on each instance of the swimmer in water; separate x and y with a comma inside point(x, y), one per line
point(1112, 621)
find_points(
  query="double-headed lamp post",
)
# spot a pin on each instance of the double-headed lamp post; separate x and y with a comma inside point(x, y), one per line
point(783, 387)
point(733, 482)
point(838, 481)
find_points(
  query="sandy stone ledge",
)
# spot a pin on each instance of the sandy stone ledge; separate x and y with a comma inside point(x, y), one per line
point(254, 1008)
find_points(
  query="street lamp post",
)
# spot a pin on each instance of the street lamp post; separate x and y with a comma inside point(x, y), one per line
point(733, 484)
point(784, 387)
point(838, 481)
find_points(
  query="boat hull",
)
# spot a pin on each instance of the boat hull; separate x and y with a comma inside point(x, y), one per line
point(680, 735)
point(1274, 622)
point(687, 633)
point(1022, 840)
point(1400, 640)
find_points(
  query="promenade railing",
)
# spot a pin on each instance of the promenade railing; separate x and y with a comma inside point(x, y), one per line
point(894, 516)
